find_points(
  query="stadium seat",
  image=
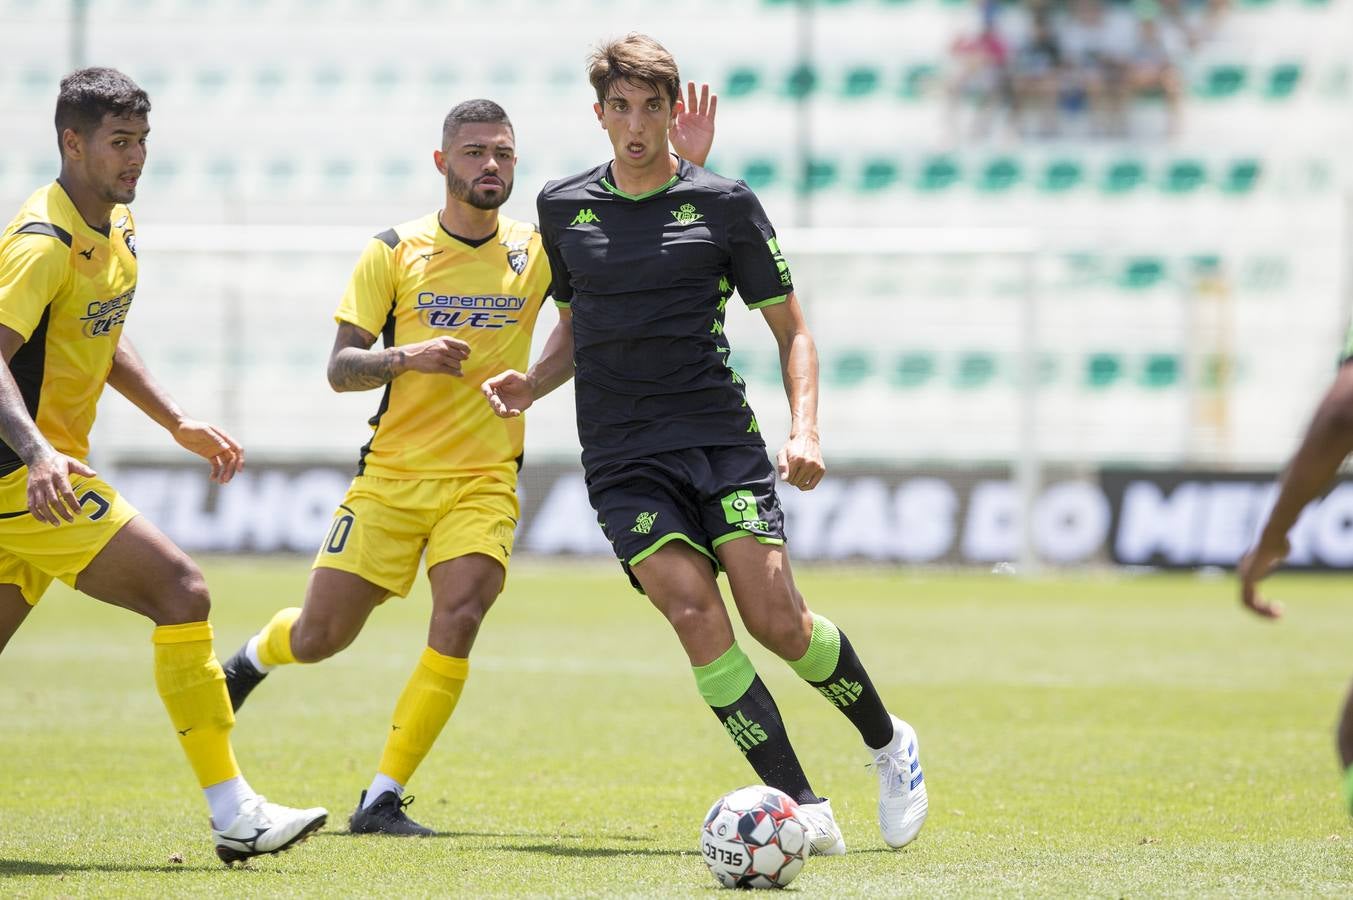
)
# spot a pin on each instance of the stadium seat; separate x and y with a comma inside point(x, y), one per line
point(1142, 272)
point(759, 173)
point(267, 81)
point(849, 368)
point(209, 82)
point(1062, 175)
point(1282, 81)
point(818, 175)
point(916, 80)
point(741, 82)
point(1000, 174)
point(938, 173)
point(878, 175)
point(913, 369)
point(1241, 176)
point(1160, 370)
point(1184, 176)
point(800, 82)
point(1220, 80)
point(975, 370)
point(1102, 369)
point(860, 81)
point(1123, 176)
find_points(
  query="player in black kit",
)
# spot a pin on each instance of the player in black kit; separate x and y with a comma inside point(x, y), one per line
point(645, 252)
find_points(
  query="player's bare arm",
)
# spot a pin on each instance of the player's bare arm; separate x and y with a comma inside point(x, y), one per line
point(50, 497)
point(692, 132)
point(511, 393)
point(354, 366)
point(130, 378)
point(800, 459)
point(1328, 440)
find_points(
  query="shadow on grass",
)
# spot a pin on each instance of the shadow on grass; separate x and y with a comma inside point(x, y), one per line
point(13, 867)
point(549, 844)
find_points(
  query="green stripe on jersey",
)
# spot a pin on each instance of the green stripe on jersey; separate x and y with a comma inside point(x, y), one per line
point(644, 196)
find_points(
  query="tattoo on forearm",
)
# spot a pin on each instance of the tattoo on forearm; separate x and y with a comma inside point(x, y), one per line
point(18, 432)
point(361, 370)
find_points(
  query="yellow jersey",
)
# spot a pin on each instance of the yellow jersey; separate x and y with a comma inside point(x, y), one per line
point(416, 281)
point(66, 288)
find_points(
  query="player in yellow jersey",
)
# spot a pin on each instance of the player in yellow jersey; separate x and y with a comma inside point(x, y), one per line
point(67, 280)
point(454, 295)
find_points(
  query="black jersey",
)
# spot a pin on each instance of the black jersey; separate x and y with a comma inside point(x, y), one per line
point(647, 279)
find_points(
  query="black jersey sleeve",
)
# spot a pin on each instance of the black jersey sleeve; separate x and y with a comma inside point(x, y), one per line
point(760, 272)
point(561, 285)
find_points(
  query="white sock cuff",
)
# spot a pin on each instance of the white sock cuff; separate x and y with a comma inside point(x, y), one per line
point(380, 785)
point(251, 651)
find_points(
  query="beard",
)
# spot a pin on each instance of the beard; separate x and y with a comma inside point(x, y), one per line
point(464, 191)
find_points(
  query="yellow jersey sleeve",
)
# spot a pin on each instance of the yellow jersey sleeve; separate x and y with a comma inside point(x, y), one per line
point(33, 268)
point(370, 297)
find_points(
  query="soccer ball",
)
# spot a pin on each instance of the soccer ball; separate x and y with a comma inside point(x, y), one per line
point(753, 838)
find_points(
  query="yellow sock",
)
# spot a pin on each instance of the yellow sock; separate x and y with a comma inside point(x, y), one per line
point(274, 641)
point(422, 711)
point(192, 686)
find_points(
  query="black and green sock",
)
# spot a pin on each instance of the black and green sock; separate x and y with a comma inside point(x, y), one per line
point(740, 699)
point(831, 666)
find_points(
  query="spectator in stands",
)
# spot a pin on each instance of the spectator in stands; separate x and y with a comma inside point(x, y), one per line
point(1097, 44)
point(981, 75)
point(1036, 74)
point(1153, 69)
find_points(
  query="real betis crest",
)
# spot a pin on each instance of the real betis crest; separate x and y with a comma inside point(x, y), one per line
point(686, 215)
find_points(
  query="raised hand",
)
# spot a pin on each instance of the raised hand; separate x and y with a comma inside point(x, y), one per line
point(692, 134)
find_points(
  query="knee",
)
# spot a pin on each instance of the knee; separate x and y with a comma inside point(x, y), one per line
point(183, 597)
point(692, 618)
point(785, 635)
point(459, 620)
point(313, 641)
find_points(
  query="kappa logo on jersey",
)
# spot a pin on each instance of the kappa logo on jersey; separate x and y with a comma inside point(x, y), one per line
point(780, 263)
point(585, 217)
point(686, 215)
point(516, 254)
point(643, 523)
point(102, 316)
point(484, 311)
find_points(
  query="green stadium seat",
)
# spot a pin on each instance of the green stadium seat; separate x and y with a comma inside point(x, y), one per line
point(1184, 176)
point(1282, 81)
point(1000, 174)
point(913, 369)
point(975, 370)
point(441, 77)
point(1142, 272)
point(1062, 175)
point(209, 81)
point(267, 81)
point(396, 170)
point(1220, 80)
point(222, 172)
point(1123, 176)
point(860, 81)
point(759, 174)
point(801, 81)
point(818, 175)
point(1241, 176)
point(337, 172)
point(385, 79)
point(916, 80)
point(39, 81)
point(938, 173)
point(1160, 370)
point(1102, 369)
point(741, 82)
point(878, 175)
point(280, 173)
point(849, 368)
point(327, 79)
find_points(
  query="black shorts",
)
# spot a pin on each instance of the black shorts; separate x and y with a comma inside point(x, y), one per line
point(704, 496)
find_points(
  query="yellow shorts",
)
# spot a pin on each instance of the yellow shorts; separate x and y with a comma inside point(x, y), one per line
point(383, 525)
point(32, 553)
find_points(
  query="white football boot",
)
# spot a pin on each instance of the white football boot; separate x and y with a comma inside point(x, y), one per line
point(262, 827)
point(824, 835)
point(902, 796)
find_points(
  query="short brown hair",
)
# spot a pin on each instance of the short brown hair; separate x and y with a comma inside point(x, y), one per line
point(637, 58)
point(87, 95)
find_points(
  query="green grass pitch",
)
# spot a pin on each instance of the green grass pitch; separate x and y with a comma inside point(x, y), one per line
point(1082, 736)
